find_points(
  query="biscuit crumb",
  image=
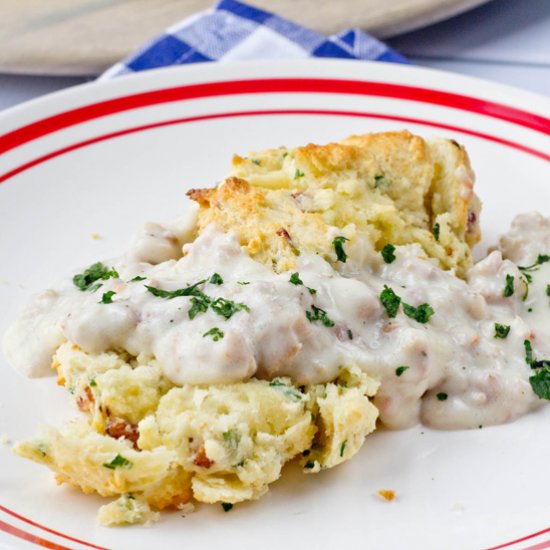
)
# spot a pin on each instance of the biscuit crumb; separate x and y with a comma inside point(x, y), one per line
point(386, 494)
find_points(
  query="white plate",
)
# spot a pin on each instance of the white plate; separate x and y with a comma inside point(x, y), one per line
point(103, 158)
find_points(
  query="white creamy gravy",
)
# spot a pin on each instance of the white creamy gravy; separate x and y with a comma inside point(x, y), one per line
point(455, 354)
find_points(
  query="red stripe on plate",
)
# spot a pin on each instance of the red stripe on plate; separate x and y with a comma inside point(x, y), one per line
point(44, 528)
point(86, 113)
point(154, 125)
point(523, 539)
point(31, 538)
point(539, 546)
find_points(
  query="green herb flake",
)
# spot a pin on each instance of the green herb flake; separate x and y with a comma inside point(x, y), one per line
point(343, 447)
point(547, 290)
point(350, 334)
point(92, 383)
point(436, 230)
point(400, 370)
point(215, 332)
point(309, 465)
point(388, 253)
point(528, 352)
point(311, 290)
point(540, 382)
point(216, 279)
point(338, 244)
point(421, 314)
point(118, 462)
point(442, 396)
point(96, 272)
point(107, 297)
point(226, 308)
point(243, 283)
point(298, 174)
point(509, 287)
point(257, 162)
point(137, 278)
point(199, 304)
point(318, 314)
point(227, 506)
point(288, 391)
point(191, 290)
point(232, 438)
point(541, 259)
point(501, 331)
point(390, 300)
point(295, 279)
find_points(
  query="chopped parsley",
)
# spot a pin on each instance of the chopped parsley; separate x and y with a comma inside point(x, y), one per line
point(191, 290)
point(199, 304)
point(92, 383)
point(547, 290)
point(388, 253)
point(226, 308)
point(291, 393)
point(298, 174)
point(528, 352)
point(540, 382)
point(350, 334)
point(436, 230)
point(338, 244)
point(96, 272)
point(318, 314)
point(422, 313)
point(118, 462)
point(257, 162)
point(137, 278)
point(107, 297)
point(541, 259)
point(442, 396)
point(227, 506)
point(232, 438)
point(501, 331)
point(310, 464)
point(243, 283)
point(216, 279)
point(534, 363)
point(343, 447)
point(390, 300)
point(215, 332)
point(509, 288)
point(295, 280)
point(400, 370)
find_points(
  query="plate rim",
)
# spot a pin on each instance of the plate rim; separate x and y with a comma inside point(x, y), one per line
point(127, 81)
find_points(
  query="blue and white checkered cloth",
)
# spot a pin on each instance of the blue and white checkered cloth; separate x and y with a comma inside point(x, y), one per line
point(232, 31)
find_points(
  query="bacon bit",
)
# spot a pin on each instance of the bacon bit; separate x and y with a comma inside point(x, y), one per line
point(449, 251)
point(84, 403)
point(201, 460)
point(282, 232)
point(387, 494)
point(117, 428)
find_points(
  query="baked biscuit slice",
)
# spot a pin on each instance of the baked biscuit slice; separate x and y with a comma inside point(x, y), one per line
point(386, 188)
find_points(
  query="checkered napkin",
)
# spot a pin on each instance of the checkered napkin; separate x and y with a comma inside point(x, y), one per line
point(232, 31)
